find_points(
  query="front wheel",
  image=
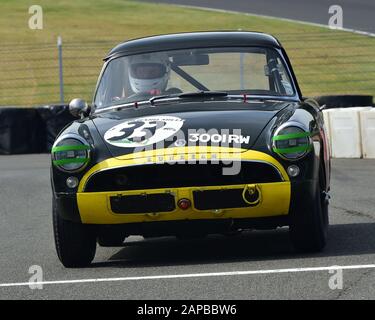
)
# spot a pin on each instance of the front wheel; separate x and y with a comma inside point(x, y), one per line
point(75, 243)
point(309, 227)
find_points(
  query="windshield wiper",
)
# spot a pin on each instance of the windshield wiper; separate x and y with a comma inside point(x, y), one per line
point(165, 96)
point(202, 94)
point(189, 95)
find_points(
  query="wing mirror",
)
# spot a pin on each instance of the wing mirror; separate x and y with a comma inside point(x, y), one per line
point(79, 108)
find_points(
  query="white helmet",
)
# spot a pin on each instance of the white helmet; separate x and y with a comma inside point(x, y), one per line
point(149, 73)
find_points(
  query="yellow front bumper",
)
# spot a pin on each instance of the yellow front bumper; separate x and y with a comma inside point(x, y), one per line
point(95, 208)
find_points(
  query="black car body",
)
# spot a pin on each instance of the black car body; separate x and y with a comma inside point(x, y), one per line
point(189, 162)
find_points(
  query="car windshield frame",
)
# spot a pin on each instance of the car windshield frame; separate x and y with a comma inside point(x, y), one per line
point(277, 52)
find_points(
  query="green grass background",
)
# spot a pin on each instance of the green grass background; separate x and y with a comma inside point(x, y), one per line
point(325, 61)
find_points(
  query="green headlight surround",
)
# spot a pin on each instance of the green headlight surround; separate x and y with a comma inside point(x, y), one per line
point(78, 158)
point(70, 148)
point(67, 161)
point(291, 136)
point(292, 152)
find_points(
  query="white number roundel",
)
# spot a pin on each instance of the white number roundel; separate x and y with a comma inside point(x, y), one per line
point(144, 131)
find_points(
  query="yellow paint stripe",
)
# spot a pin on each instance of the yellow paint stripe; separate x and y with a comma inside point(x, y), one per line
point(183, 154)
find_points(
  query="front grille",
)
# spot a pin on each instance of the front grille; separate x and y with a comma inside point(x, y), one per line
point(160, 202)
point(219, 199)
point(158, 176)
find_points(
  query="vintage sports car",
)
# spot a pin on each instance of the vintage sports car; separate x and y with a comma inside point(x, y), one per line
point(187, 135)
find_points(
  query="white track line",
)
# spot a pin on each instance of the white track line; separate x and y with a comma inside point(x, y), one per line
point(364, 33)
point(193, 275)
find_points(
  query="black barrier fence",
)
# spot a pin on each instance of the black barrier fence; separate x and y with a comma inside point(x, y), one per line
point(345, 101)
point(54, 118)
point(31, 130)
point(21, 131)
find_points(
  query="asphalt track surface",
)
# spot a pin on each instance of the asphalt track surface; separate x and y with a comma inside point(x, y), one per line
point(357, 14)
point(254, 265)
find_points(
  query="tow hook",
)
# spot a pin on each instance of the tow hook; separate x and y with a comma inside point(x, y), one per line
point(251, 194)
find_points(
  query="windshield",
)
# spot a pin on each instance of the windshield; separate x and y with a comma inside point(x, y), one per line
point(251, 70)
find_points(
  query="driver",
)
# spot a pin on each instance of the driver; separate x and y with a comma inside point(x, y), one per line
point(149, 73)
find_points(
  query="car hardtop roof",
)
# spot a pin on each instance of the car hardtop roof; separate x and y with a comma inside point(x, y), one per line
point(189, 40)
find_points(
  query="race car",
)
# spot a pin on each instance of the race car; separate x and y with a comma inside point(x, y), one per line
point(188, 135)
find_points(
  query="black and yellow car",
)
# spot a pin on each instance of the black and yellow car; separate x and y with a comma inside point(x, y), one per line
point(187, 135)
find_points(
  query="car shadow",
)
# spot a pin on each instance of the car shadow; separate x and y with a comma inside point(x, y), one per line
point(344, 240)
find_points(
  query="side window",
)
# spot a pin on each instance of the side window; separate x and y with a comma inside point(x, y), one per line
point(100, 98)
point(285, 80)
point(114, 84)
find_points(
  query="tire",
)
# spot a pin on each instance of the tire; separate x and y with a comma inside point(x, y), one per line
point(75, 244)
point(309, 228)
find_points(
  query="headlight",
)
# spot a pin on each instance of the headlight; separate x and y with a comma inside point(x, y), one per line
point(70, 153)
point(291, 141)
